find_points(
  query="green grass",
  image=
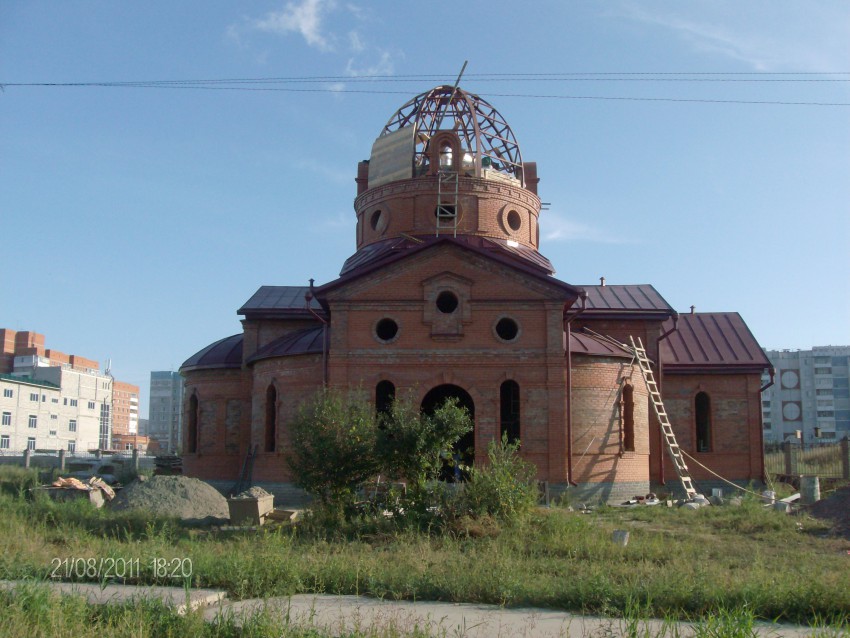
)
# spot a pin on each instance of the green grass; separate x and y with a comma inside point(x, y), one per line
point(678, 563)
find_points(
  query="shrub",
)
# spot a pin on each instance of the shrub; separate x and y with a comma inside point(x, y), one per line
point(333, 446)
point(505, 488)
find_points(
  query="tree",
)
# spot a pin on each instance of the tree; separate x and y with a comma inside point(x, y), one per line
point(334, 440)
point(414, 445)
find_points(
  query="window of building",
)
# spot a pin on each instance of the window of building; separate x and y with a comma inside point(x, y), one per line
point(34, 396)
point(52, 433)
point(384, 397)
point(91, 405)
point(192, 426)
point(271, 419)
point(446, 156)
point(507, 329)
point(44, 398)
point(386, 330)
point(628, 418)
point(73, 403)
point(8, 393)
point(72, 446)
point(4, 442)
point(54, 400)
point(509, 410)
point(447, 302)
point(702, 412)
point(72, 425)
point(7, 418)
point(31, 443)
point(33, 421)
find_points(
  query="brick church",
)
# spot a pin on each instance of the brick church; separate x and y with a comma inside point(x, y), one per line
point(447, 295)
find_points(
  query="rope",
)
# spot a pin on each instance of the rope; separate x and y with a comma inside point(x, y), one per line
point(743, 489)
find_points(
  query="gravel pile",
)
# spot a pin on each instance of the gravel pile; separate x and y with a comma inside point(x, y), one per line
point(835, 509)
point(253, 492)
point(189, 499)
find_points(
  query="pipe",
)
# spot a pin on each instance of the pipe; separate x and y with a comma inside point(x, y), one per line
point(659, 384)
point(568, 354)
point(308, 297)
point(772, 372)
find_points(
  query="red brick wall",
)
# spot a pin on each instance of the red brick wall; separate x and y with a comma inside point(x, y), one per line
point(736, 452)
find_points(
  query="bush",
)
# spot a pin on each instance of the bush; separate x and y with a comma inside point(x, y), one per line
point(505, 488)
point(334, 440)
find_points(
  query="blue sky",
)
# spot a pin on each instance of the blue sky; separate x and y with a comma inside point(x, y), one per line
point(136, 221)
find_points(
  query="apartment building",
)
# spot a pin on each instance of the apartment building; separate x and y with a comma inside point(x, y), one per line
point(165, 411)
point(810, 398)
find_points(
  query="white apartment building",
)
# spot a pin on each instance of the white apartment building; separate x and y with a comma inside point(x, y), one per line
point(811, 395)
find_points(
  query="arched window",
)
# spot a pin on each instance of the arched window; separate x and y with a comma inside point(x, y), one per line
point(702, 412)
point(271, 419)
point(509, 403)
point(446, 155)
point(628, 418)
point(384, 396)
point(192, 426)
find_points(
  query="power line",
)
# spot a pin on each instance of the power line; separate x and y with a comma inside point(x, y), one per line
point(262, 84)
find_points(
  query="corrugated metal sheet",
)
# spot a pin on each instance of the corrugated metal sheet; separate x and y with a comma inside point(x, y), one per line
point(583, 343)
point(712, 341)
point(631, 298)
point(279, 298)
point(308, 341)
point(224, 353)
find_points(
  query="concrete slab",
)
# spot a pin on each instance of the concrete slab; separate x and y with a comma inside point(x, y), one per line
point(343, 614)
point(109, 593)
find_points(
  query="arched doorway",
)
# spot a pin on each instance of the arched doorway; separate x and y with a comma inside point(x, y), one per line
point(464, 449)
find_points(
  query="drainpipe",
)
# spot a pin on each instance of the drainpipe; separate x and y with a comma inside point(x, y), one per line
point(308, 297)
point(567, 321)
point(772, 372)
point(661, 443)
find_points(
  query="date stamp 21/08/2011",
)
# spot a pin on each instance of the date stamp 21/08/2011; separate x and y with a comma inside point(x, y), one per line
point(109, 567)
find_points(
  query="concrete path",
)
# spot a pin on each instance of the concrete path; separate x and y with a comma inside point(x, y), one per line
point(349, 613)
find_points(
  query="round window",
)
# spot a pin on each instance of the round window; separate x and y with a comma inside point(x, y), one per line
point(386, 329)
point(375, 220)
point(447, 302)
point(507, 329)
point(514, 220)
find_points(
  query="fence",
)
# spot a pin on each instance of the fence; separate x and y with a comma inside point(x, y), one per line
point(61, 459)
point(831, 460)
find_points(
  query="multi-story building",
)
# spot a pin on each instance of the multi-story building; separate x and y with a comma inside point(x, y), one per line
point(52, 400)
point(810, 396)
point(165, 418)
point(125, 418)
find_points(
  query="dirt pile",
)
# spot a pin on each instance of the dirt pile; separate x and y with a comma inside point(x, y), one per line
point(835, 509)
point(189, 499)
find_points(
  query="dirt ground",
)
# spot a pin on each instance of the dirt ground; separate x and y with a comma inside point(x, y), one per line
point(835, 509)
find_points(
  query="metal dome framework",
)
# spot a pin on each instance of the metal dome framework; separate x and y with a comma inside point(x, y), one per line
point(482, 130)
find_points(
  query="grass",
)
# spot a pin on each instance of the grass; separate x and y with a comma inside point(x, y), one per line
point(740, 561)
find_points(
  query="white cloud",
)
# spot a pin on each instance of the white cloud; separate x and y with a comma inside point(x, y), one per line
point(354, 42)
point(559, 228)
point(304, 18)
point(383, 66)
point(765, 36)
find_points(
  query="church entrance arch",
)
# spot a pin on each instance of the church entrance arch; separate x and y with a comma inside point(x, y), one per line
point(464, 449)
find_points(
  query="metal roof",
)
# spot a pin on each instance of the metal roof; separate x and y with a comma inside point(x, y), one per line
point(379, 255)
point(616, 299)
point(307, 341)
point(383, 249)
point(711, 342)
point(224, 353)
point(279, 301)
point(583, 343)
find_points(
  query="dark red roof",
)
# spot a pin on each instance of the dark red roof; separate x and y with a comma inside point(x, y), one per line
point(308, 341)
point(583, 343)
point(639, 299)
point(377, 256)
point(712, 342)
point(279, 302)
point(225, 353)
point(383, 249)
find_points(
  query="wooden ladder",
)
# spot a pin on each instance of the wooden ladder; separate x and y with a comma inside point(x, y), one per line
point(666, 429)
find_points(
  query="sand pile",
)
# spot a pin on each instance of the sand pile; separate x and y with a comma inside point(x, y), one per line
point(835, 509)
point(189, 499)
